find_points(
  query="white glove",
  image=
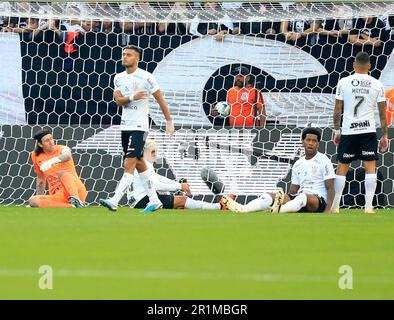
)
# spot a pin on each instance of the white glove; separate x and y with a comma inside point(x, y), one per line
point(49, 163)
point(170, 129)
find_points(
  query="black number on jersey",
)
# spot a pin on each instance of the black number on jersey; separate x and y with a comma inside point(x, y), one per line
point(360, 100)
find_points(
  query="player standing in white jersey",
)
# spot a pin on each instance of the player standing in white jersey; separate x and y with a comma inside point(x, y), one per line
point(312, 184)
point(356, 98)
point(132, 89)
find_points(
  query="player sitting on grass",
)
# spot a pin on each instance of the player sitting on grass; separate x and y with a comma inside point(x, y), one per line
point(54, 164)
point(165, 188)
point(312, 184)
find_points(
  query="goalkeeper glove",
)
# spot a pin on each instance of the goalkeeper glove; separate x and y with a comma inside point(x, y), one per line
point(49, 163)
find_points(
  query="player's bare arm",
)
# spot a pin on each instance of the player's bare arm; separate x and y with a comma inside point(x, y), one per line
point(337, 120)
point(329, 183)
point(384, 142)
point(166, 111)
point(40, 185)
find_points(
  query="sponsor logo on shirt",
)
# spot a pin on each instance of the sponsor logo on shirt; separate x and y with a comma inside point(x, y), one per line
point(362, 124)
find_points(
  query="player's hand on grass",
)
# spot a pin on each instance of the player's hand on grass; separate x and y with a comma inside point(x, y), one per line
point(49, 163)
point(170, 129)
point(384, 143)
point(186, 188)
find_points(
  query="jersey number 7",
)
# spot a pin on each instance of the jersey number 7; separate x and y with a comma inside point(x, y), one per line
point(360, 100)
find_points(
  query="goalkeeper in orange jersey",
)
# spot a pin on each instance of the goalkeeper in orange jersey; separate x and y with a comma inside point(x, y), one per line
point(54, 164)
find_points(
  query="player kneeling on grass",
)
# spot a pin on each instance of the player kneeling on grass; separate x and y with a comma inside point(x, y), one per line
point(54, 164)
point(165, 188)
point(312, 184)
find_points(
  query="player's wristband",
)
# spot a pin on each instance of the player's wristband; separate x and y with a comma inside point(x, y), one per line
point(337, 131)
point(131, 98)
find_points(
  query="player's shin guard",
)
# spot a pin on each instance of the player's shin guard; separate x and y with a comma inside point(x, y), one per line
point(370, 187)
point(121, 189)
point(261, 203)
point(148, 186)
point(339, 184)
point(201, 205)
point(295, 205)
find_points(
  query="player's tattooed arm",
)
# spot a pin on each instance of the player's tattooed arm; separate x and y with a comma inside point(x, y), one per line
point(40, 185)
point(382, 114)
point(329, 183)
point(338, 114)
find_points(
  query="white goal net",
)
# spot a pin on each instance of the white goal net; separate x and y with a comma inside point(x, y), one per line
point(58, 61)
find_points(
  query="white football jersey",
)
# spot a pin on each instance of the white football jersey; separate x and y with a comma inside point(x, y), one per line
point(135, 115)
point(360, 94)
point(311, 174)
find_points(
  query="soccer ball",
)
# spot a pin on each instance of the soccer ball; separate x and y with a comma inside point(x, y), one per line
point(223, 108)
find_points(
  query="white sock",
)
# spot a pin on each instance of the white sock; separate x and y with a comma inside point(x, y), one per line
point(147, 182)
point(123, 186)
point(339, 184)
point(261, 203)
point(295, 205)
point(202, 205)
point(370, 187)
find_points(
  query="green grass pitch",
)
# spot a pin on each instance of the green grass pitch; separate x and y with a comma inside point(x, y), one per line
point(95, 254)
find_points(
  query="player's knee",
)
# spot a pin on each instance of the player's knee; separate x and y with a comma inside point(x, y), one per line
point(61, 174)
point(33, 201)
point(130, 164)
point(179, 202)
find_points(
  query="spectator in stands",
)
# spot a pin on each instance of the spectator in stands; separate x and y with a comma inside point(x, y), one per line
point(179, 18)
point(368, 31)
point(300, 32)
point(388, 21)
point(246, 102)
point(258, 27)
point(216, 29)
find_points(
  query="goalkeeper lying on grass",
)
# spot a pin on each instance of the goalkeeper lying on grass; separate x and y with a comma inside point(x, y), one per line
point(165, 188)
point(312, 184)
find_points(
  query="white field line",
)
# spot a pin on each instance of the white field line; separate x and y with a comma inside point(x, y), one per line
point(177, 275)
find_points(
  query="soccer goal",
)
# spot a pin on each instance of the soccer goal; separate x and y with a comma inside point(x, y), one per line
point(58, 61)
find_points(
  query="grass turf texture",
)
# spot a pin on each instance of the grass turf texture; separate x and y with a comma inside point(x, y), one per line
point(172, 254)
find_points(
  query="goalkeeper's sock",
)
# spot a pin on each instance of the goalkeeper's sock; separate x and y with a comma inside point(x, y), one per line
point(149, 187)
point(201, 205)
point(294, 205)
point(69, 183)
point(121, 189)
point(44, 203)
point(339, 184)
point(261, 203)
point(370, 187)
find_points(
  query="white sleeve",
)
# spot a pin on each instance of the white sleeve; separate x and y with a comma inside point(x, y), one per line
point(116, 83)
point(151, 84)
point(163, 184)
point(381, 94)
point(295, 176)
point(339, 91)
point(328, 169)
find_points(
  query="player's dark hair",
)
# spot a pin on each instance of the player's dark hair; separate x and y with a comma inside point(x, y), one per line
point(38, 136)
point(314, 131)
point(135, 48)
point(362, 58)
